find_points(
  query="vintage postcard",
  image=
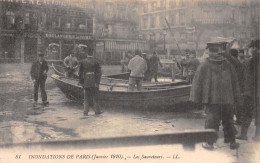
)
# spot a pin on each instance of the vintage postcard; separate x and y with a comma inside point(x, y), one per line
point(129, 81)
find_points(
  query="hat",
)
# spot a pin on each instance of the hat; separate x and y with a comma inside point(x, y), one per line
point(138, 52)
point(254, 43)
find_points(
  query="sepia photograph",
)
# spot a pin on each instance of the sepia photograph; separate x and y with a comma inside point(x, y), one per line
point(127, 81)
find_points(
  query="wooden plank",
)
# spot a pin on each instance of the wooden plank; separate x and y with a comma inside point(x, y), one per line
point(187, 138)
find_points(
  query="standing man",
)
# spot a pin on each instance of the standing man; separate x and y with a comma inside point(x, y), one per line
point(215, 86)
point(71, 63)
point(89, 78)
point(38, 72)
point(239, 68)
point(147, 73)
point(154, 62)
point(192, 65)
point(251, 93)
point(137, 66)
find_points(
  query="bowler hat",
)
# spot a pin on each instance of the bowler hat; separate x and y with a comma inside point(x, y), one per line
point(138, 52)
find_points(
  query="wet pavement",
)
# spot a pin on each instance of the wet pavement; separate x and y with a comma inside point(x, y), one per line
point(63, 119)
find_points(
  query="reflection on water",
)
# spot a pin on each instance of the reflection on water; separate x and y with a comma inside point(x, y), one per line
point(63, 119)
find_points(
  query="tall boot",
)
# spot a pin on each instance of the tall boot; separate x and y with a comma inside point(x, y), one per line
point(243, 135)
point(257, 133)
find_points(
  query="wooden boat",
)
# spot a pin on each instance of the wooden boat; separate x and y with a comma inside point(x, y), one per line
point(110, 96)
point(120, 80)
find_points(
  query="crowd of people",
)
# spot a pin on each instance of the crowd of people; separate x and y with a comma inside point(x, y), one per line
point(225, 84)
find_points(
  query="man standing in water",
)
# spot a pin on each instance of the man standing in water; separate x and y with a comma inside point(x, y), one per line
point(89, 78)
point(39, 71)
point(215, 86)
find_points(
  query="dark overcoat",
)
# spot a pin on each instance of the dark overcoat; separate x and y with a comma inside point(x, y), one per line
point(37, 70)
point(90, 64)
point(215, 82)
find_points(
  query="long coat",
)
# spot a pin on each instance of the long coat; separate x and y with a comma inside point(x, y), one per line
point(37, 70)
point(90, 64)
point(215, 82)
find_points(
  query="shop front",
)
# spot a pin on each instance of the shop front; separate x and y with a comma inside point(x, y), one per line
point(59, 46)
point(7, 50)
point(114, 49)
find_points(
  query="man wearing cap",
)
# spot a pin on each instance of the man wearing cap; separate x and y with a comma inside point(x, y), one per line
point(137, 66)
point(71, 63)
point(215, 86)
point(38, 72)
point(89, 78)
point(251, 93)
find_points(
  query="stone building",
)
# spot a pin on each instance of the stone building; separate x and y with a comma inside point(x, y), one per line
point(56, 27)
point(194, 22)
point(29, 27)
point(117, 29)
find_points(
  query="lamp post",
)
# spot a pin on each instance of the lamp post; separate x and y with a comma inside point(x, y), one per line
point(164, 32)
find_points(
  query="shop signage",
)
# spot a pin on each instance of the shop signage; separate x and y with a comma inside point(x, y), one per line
point(7, 34)
point(68, 36)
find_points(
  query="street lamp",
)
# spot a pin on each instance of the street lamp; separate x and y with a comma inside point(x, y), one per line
point(164, 35)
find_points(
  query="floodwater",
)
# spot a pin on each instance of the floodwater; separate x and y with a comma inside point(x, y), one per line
point(63, 119)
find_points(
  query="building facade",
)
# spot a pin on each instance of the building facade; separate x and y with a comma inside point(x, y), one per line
point(117, 29)
point(30, 27)
point(192, 23)
point(56, 27)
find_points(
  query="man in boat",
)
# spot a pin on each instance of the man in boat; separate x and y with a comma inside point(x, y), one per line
point(38, 72)
point(154, 62)
point(192, 65)
point(184, 62)
point(89, 78)
point(250, 94)
point(137, 66)
point(215, 86)
point(147, 74)
point(124, 62)
point(71, 63)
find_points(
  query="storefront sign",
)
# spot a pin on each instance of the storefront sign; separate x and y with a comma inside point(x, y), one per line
point(124, 45)
point(68, 36)
point(7, 34)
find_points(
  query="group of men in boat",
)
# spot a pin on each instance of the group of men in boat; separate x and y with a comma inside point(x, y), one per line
point(152, 64)
point(225, 84)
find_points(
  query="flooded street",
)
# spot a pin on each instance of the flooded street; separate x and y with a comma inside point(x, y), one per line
point(63, 119)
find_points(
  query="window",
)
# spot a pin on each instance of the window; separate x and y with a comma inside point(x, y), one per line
point(172, 19)
point(9, 19)
point(162, 3)
point(152, 24)
point(27, 18)
point(154, 6)
point(172, 3)
point(145, 22)
point(145, 8)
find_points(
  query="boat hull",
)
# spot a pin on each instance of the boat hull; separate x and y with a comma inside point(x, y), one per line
point(148, 98)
